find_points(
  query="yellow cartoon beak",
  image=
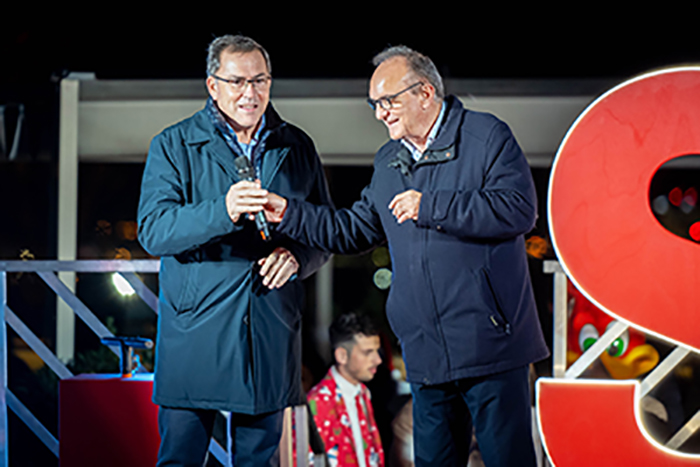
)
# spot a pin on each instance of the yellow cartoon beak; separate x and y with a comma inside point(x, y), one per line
point(638, 361)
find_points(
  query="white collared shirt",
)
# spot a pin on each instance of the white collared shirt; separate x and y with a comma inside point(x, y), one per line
point(350, 392)
point(417, 153)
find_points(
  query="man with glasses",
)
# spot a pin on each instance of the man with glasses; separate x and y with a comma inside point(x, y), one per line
point(453, 195)
point(228, 333)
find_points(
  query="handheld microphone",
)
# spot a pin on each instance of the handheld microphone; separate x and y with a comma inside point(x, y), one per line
point(246, 172)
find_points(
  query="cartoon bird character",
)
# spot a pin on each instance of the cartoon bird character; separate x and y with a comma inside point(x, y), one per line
point(627, 357)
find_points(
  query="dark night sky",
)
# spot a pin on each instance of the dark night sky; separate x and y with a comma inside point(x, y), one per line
point(468, 46)
point(129, 44)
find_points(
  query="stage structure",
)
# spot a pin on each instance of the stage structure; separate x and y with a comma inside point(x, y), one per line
point(114, 121)
point(47, 271)
point(618, 254)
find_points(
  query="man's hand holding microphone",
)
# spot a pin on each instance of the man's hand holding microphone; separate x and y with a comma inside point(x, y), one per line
point(248, 198)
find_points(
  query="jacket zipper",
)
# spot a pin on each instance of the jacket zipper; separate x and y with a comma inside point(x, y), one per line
point(505, 323)
point(429, 280)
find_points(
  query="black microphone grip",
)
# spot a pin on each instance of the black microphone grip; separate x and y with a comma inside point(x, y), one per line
point(247, 172)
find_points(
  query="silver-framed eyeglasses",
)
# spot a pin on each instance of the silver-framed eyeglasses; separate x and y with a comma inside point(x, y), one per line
point(387, 102)
point(259, 82)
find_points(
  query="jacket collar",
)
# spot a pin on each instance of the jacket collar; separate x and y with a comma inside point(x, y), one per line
point(442, 148)
point(448, 130)
point(204, 133)
point(341, 383)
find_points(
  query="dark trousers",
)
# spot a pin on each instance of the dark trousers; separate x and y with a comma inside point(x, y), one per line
point(498, 406)
point(185, 435)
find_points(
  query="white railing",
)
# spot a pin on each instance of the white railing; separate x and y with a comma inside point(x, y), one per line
point(47, 270)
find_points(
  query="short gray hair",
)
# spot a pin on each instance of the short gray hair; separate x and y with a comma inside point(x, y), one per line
point(418, 63)
point(232, 44)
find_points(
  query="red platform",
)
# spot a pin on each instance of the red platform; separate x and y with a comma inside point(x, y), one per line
point(108, 420)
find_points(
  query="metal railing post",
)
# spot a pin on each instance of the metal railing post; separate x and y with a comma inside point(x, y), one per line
point(67, 241)
point(3, 371)
point(560, 318)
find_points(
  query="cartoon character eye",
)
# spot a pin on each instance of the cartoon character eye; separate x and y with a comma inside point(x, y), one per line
point(619, 346)
point(587, 337)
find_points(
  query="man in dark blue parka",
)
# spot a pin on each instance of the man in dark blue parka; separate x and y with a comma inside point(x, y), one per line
point(453, 196)
point(228, 336)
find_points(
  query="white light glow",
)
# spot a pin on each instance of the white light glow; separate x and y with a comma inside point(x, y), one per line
point(382, 278)
point(661, 205)
point(122, 286)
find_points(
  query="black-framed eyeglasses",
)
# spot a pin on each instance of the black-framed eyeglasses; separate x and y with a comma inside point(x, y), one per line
point(386, 102)
point(238, 82)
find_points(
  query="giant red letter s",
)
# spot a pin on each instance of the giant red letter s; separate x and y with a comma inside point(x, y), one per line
point(616, 252)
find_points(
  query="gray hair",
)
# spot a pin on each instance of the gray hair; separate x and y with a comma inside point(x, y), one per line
point(232, 44)
point(418, 63)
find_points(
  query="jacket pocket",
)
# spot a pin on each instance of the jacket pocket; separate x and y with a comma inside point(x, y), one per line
point(185, 301)
point(442, 203)
point(498, 318)
point(285, 305)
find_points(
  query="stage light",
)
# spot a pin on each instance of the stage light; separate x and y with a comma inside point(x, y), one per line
point(690, 198)
point(122, 286)
point(660, 205)
point(380, 257)
point(676, 196)
point(382, 278)
point(695, 231)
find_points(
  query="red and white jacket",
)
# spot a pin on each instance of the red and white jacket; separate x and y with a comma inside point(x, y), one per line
point(331, 416)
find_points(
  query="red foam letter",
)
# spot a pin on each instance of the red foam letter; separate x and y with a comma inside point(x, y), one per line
point(592, 422)
point(617, 253)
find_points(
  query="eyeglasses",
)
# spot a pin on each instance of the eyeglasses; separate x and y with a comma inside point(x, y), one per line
point(260, 82)
point(386, 102)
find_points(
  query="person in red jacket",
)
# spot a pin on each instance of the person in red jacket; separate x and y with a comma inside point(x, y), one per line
point(340, 402)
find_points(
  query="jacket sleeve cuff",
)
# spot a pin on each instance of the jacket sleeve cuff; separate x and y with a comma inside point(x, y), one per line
point(289, 217)
point(228, 223)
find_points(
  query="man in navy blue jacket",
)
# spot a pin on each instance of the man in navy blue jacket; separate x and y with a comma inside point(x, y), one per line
point(453, 195)
point(225, 341)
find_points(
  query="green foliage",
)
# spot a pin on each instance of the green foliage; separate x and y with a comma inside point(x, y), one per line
point(101, 360)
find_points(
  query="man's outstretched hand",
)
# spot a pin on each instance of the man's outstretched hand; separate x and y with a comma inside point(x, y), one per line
point(274, 208)
point(246, 198)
